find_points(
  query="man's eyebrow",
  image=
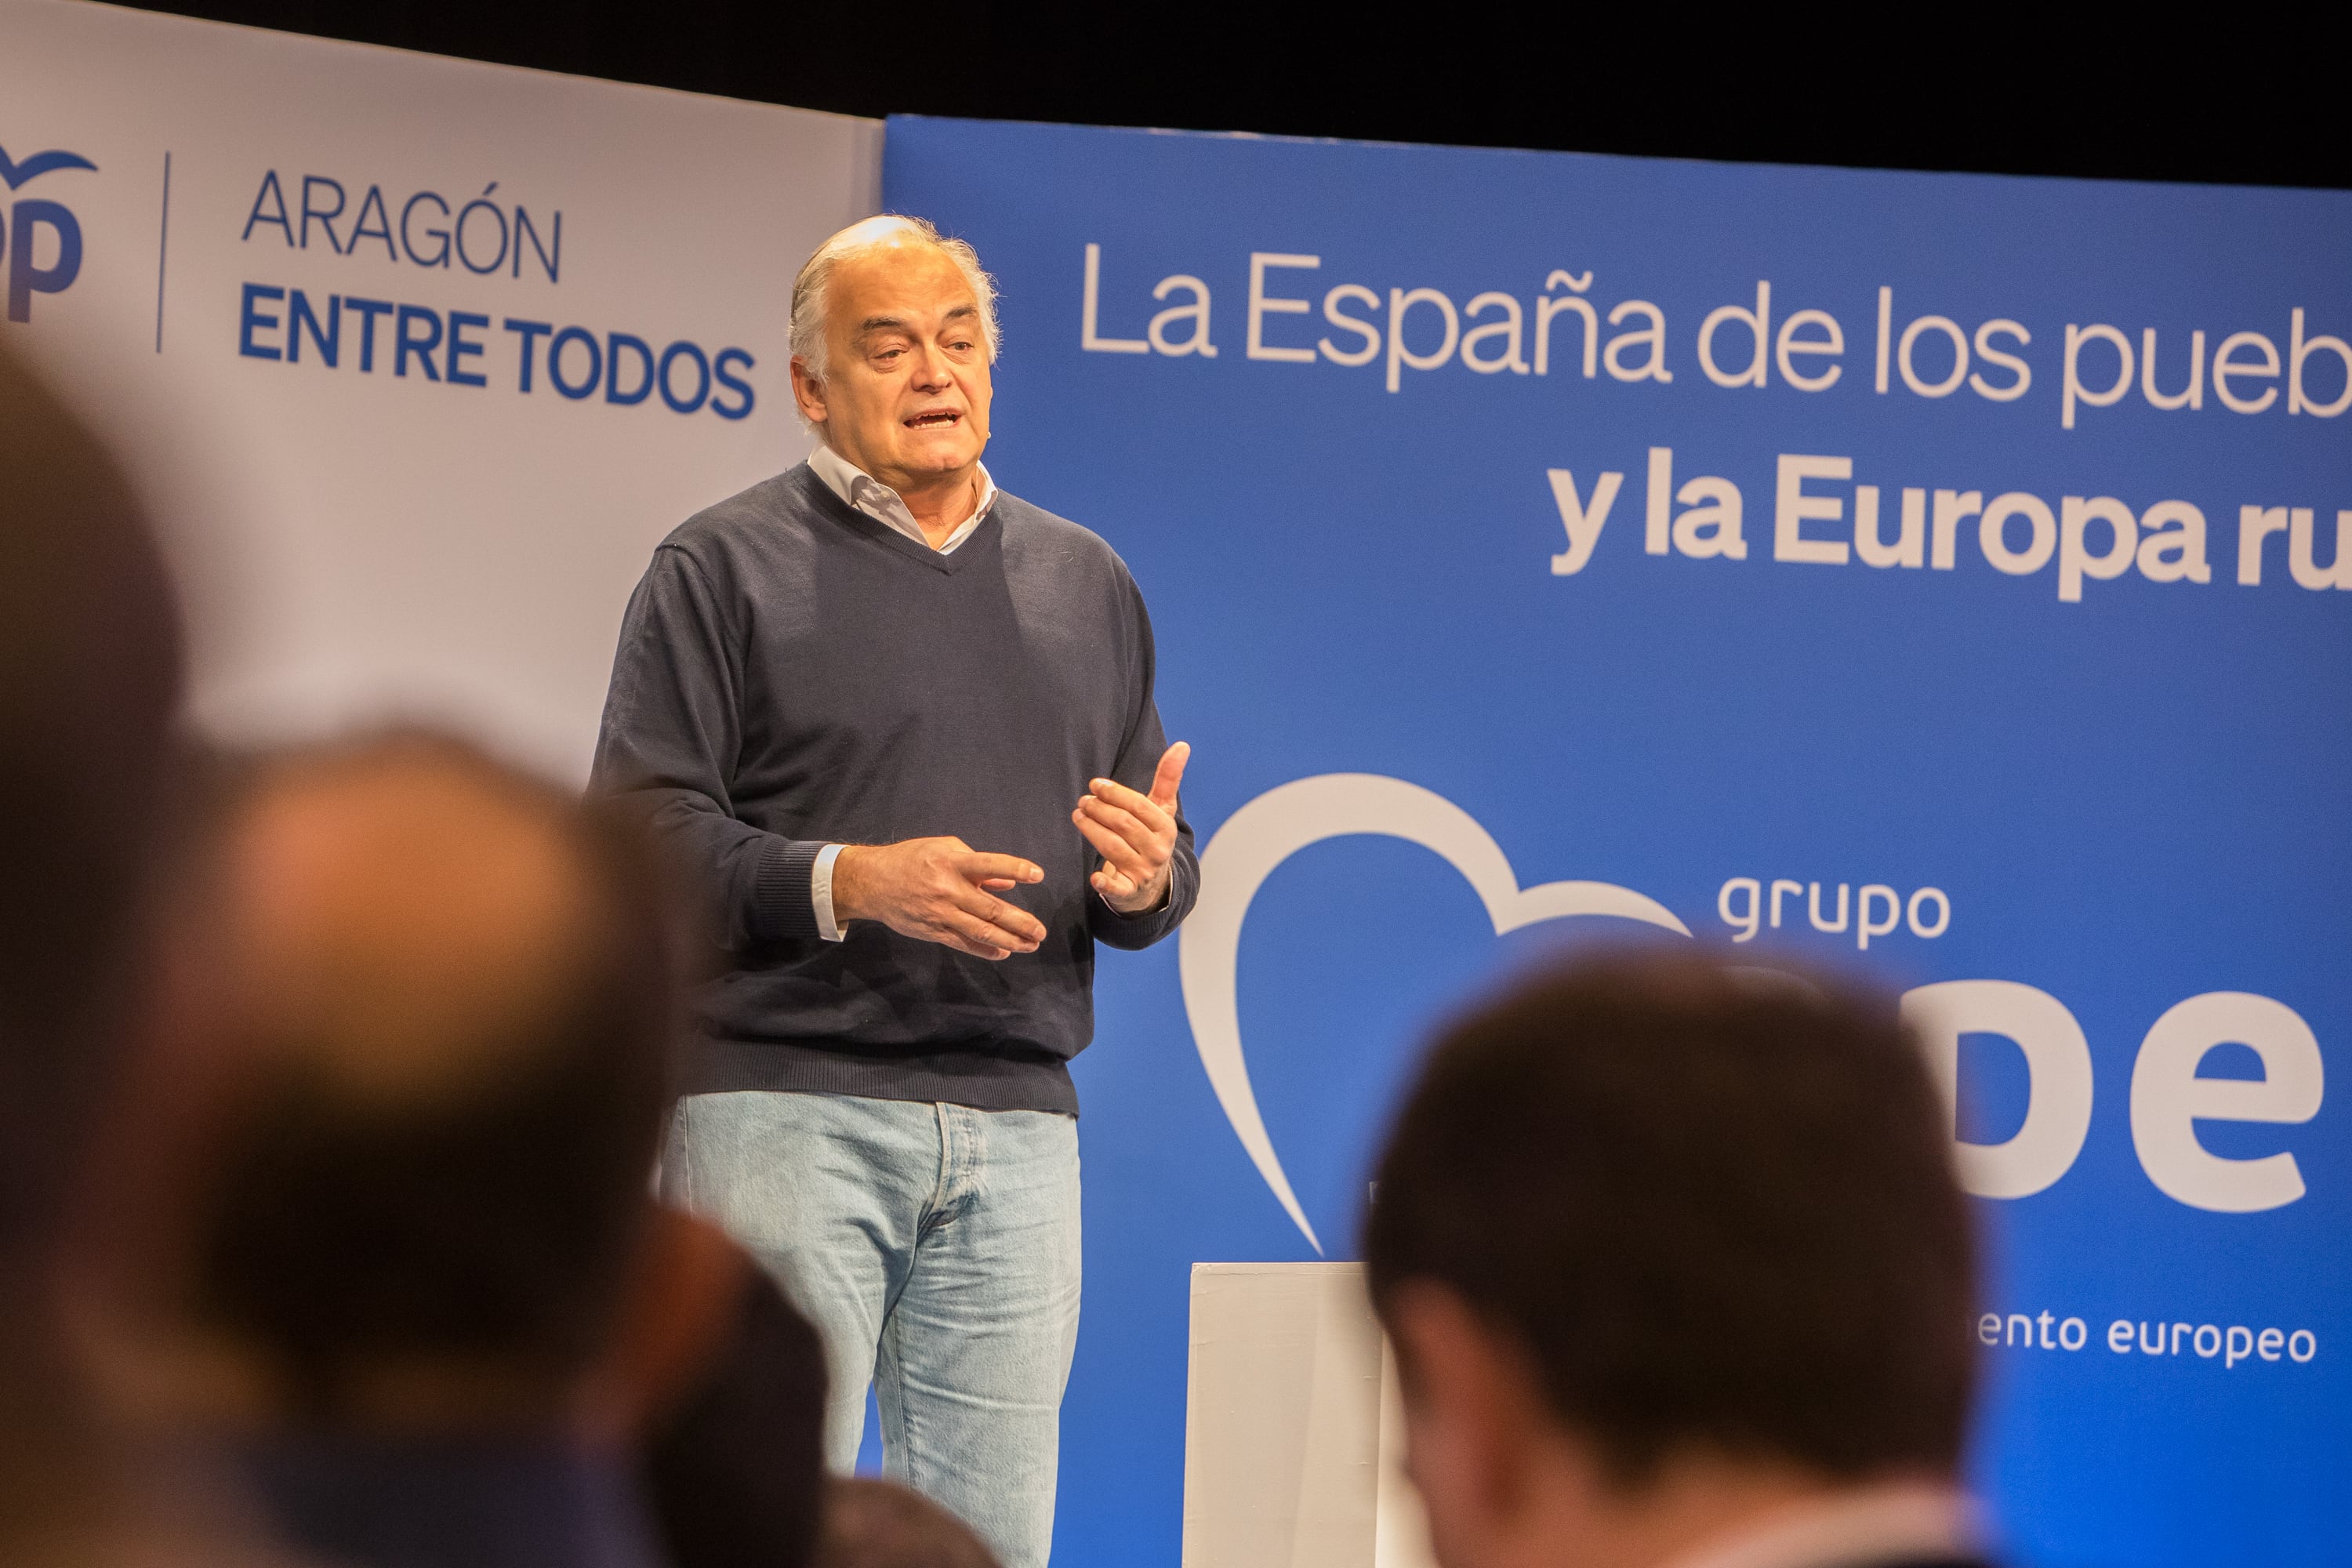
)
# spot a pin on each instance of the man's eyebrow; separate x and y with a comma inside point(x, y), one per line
point(873, 324)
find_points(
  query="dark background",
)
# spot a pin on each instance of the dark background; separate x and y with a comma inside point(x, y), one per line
point(2204, 95)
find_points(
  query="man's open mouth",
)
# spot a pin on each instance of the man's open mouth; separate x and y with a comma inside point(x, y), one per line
point(938, 419)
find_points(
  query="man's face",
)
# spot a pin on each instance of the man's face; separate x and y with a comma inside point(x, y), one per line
point(906, 391)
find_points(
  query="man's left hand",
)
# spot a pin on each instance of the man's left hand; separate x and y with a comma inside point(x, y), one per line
point(1135, 834)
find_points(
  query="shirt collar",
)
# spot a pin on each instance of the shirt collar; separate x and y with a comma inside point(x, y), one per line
point(1899, 1522)
point(865, 493)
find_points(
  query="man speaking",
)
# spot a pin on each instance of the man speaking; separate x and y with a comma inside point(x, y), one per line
point(905, 724)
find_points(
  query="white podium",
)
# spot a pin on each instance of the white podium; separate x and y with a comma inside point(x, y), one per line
point(1292, 1433)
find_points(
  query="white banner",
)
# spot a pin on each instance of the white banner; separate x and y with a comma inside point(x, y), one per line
point(418, 358)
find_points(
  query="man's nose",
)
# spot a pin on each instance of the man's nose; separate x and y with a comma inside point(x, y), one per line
point(932, 371)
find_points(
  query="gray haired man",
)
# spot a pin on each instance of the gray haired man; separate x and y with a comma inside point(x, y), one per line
point(903, 724)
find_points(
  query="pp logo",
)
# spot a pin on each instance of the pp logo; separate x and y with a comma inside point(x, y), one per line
point(20, 234)
point(1278, 824)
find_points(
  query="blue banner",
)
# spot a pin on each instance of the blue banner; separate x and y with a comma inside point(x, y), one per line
point(1943, 578)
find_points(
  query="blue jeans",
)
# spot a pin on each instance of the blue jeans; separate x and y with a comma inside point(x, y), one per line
point(937, 1249)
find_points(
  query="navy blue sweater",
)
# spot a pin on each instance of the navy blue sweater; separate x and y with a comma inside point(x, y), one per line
point(794, 673)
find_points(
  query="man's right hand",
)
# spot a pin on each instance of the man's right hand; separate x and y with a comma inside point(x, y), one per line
point(938, 889)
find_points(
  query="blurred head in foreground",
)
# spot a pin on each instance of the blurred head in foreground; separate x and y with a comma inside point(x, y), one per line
point(1672, 1253)
point(90, 679)
point(409, 1275)
point(881, 1524)
point(734, 1465)
point(448, 989)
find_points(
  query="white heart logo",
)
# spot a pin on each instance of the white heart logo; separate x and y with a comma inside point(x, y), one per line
point(1276, 825)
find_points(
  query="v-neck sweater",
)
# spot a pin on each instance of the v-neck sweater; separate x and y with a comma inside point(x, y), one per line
point(794, 673)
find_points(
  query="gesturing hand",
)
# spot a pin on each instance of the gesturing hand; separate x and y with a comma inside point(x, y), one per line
point(938, 889)
point(1135, 833)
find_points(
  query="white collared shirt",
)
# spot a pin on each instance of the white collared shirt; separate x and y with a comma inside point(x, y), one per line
point(878, 500)
point(1894, 1521)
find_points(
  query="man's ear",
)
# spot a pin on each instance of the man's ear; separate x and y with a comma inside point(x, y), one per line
point(676, 1312)
point(808, 393)
point(1474, 1423)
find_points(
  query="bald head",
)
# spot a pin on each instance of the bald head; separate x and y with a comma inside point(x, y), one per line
point(402, 922)
point(451, 985)
point(889, 238)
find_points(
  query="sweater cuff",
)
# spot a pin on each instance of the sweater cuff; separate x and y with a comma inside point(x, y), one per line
point(1166, 897)
point(781, 900)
